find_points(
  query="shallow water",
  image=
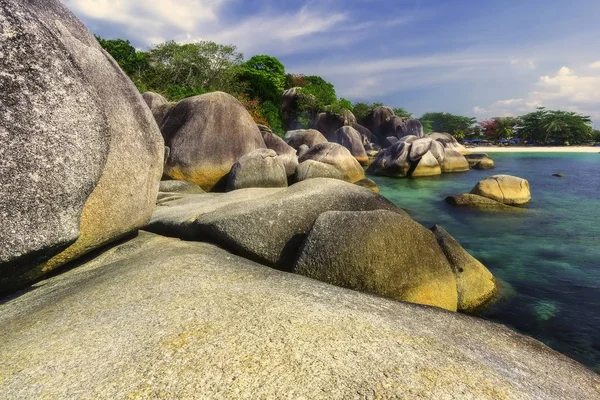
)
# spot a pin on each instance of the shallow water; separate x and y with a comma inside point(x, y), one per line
point(548, 255)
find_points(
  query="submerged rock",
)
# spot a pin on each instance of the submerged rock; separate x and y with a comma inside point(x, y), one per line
point(207, 134)
point(81, 155)
point(475, 284)
point(261, 168)
point(476, 201)
point(159, 317)
point(507, 189)
point(399, 259)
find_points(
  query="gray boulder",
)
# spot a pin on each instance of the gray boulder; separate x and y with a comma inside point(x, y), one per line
point(454, 161)
point(368, 184)
point(475, 284)
point(268, 229)
point(480, 161)
point(448, 141)
point(338, 156)
point(302, 150)
point(80, 153)
point(506, 189)
point(399, 259)
point(419, 147)
point(261, 168)
point(311, 169)
point(376, 121)
point(476, 201)
point(174, 186)
point(426, 166)
point(393, 161)
point(286, 153)
point(158, 317)
point(159, 106)
point(207, 134)
point(351, 139)
point(308, 137)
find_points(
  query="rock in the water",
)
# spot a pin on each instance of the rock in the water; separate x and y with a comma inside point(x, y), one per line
point(419, 147)
point(285, 152)
point(338, 156)
point(393, 161)
point(81, 155)
point(368, 184)
point(207, 134)
point(475, 284)
point(476, 201)
point(267, 228)
point(454, 161)
point(507, 189)
point(162, 318)
point(308, 137)
point(261, 168)
point(426, 166)
point(175, 186)
point(480, 161)
point(449, 142)
point(350, 138)
point(311, 169)
point(381, 252)
point(558, 175)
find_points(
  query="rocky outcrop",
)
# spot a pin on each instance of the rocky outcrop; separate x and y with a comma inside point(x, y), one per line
point(174, 186)
point(368, 184)
point(400, 259)
point(311, 169)
point(475, 284)
point(506, 189)
point(329, 122)
point(207, 134)
point(159, 106)
point(261, 168)
point(401, 160)
point(480, 161)
point(449, 142)
point(476, 201)
point(266, 225)
point(350, 138)
point(286, 153)
point(337, 156)
point(81, 155)
point(454, 161)
point(159, 317)
point(308, 137)
point(376, 120)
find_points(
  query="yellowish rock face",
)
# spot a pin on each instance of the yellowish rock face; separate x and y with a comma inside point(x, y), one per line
point(506, 189)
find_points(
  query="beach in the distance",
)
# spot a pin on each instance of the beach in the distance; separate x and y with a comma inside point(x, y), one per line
point(523, 149)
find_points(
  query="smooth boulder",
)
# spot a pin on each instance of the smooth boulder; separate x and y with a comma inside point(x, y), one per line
point(81, 153)
point(454, 161)
point(311, 169)
point(475, 284)
point(265, 225)
point(159, 106)
point(506, 189)
point(175, 186)
point(308, 137)
point(162, 318)
point(480, 161)
point(207, 134)
point(351, 139)
point(261, 168)
point(338, 156)
point(393, 161)
point(380, 252)
point(426, 166)
point(286, 153)
point(328, 122)
point(476, 201)
point(449, 142)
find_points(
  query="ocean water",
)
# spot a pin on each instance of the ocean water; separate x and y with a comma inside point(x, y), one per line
point(547, 256)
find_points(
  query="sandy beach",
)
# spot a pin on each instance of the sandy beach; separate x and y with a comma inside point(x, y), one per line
point(523, 149)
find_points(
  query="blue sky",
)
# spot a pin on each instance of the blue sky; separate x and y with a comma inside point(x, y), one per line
point(477, 58)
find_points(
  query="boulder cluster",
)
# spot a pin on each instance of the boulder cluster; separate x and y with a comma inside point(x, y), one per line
point(230, 279)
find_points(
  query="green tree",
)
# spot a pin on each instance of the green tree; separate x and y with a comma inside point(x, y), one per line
point(560, 127)
point(457, 125)
point(134, 63)
point(596, 135)
point(265, 78)
point(402, 113)
point(321, 93)
point(361, 109)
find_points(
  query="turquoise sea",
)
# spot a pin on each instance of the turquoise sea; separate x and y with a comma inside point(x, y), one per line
point(548, 256)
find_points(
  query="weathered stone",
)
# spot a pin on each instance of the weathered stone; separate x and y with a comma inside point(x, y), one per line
point(338, 156)
point(328, 122)
point(207, 134)
point(80, 154)
point(291, 113)
point(308, 137)
point(311, 169)
point(475, 284)
point(381, 252)
point(368, 184)
point(376, 122)
point(454, 161)
point(159, 317)
point(261, 168)
point(392, 161)
point(419, 147)
point(480, 161)
point(476, 201)
point(286, 153)
point(175, 186)
point(302, 150)
point(426, 166)
point(159, 106)
point(366, 135)
point(350, 138)
point(507, 189)
point(449, 142)
point(266, 228)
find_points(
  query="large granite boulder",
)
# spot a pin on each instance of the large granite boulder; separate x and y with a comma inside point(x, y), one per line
point(162, 318)
point(381, 252)
point(338, 156)
point(365, 134)
point(311, 169)
point(159, 106)
point(329, 122)
point(449, 142)
point(80, 154)
point(266, 225)
point(479, 202)
point(308, 137)
point(393, 161)
point(207, 134)
point(475, 284)
point(454, 161)
point(351, 139)
point(480, 161)
point(175, 186)
point(261, 168)
point(376, 120)
point(426, 166)
point(286, 153)
point(506, 189)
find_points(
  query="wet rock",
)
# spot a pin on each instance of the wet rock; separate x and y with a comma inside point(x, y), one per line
point(507, 189)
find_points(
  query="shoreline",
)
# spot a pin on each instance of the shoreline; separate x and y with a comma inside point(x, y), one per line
point(541, 149)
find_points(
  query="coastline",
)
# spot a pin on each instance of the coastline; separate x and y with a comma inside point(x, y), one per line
point(533, 149)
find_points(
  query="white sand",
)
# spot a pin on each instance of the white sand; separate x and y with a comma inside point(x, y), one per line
point(522, 149)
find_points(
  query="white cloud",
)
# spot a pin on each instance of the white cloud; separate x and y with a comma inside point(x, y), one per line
point(595, 65)
point(564, 90)
point(523, 63)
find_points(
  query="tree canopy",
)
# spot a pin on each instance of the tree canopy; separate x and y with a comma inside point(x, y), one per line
point(561, 127)
point(457, 125)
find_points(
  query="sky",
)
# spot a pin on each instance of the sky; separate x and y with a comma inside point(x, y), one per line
point(476, 58)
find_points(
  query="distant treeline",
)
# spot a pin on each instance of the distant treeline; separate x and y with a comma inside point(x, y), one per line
point(178, 71)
